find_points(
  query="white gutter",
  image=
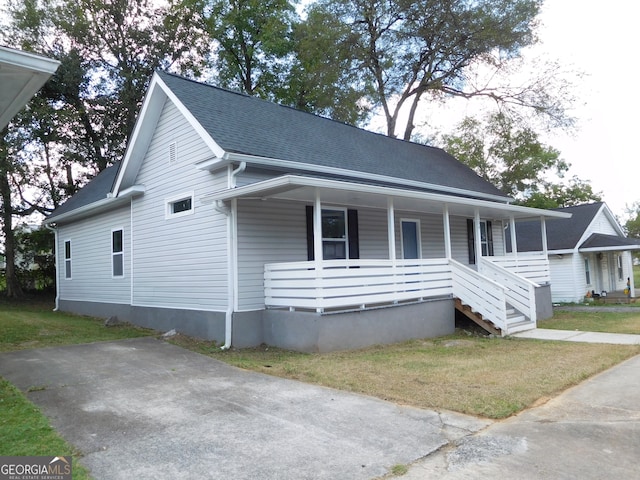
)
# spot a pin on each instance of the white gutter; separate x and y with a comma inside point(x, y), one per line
point(55, 242)
point(290, 182)
point(231, 266)
point(228, 158)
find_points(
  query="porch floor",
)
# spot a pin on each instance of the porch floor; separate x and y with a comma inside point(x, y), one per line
point(617, 297)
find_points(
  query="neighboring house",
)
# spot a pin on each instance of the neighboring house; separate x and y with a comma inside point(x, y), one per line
point(588, 252)
point(22, 74)
point(239, 220)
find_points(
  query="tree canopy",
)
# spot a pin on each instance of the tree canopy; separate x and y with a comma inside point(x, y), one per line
point(512, 157)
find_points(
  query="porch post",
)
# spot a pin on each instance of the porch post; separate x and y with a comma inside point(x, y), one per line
point(514, 242)
point(317, 249)
point(478, 238)
point(317, 231)
point(391, 230)
point(543, 227)
point(447, 232)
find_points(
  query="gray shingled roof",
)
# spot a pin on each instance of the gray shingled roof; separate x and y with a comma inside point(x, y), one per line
point(96, 189)
point(251, 126)
point(248, 125)
point(564, 234)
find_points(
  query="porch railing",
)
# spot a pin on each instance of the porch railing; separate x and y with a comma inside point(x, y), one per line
point(532, 266)
point(519, 291)
point(351, 284)
point(354, 283)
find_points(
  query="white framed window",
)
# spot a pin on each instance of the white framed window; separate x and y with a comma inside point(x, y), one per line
point(179, 205)
point(117, 253)
point(587, 271)
point(620, 269)
point(334, 234)
point(67, 259)
point(410, 236)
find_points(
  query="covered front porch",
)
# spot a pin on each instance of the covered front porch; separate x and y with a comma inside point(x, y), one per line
point(502, 288)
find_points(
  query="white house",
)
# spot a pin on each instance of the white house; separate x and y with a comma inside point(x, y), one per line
point(239, 220)
point(588, 253)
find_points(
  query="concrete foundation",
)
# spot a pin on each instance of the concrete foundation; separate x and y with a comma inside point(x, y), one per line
point(301, 331)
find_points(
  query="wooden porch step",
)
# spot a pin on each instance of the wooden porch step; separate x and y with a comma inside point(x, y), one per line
point(477, 318)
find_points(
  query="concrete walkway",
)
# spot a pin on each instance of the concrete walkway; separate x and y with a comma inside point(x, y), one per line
point(578, 336)
point(145, 409)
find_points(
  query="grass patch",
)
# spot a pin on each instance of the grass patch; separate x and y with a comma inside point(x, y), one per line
point(596, 321)
point(25, 431)
point(35, 325)
point(487, 377)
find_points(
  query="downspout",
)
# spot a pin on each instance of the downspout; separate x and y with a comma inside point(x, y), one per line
point(55, 242)
point(228, 212)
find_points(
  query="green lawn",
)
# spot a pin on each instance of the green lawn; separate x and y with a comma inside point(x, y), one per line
point(594, 321)
point(24, 430)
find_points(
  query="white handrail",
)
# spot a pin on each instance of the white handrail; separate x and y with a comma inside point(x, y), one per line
point(519, 291)
point(481, 293)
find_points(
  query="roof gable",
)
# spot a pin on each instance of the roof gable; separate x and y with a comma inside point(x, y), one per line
point(251, 126)
point(567, 234)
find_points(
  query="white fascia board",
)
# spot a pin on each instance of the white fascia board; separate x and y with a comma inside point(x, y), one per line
point(25, 74)
point(145, 127)
point(273, 162)
point(621, 248)
point(106, 203)
point(290, 182)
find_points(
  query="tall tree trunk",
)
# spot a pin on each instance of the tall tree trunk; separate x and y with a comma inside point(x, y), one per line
point(13, 285)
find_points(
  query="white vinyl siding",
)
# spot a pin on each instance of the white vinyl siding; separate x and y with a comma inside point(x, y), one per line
point(268, 232)
point(92, 256)
point(568, 278)
point(180, 261)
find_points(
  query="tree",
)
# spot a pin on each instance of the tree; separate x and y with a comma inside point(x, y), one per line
point(413, 49)
point(632, 225)
point(251, 41)
point(80, 121)
point(512, 157)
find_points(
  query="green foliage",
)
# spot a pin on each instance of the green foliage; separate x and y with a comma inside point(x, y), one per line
point(632, 225)
point(409, 50)
point(511, 156)
point(35, 259)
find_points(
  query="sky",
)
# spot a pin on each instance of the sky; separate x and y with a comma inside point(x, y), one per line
point(601, 39)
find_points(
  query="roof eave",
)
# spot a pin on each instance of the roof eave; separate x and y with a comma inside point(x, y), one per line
point(104, 204)
point(290, 182)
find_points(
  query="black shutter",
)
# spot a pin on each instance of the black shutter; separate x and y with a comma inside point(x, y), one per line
point(471, 241)
point(310, 246)
point(489, 239)
point(352, 230)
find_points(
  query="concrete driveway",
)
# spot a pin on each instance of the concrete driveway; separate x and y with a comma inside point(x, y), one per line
point(590, 432)
point(146, 409)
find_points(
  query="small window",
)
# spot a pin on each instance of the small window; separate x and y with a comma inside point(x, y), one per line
point(620, 270)
point(334, 234)
point(587, 271)
point(67, 259)
point(179, 206)
point(117, 253)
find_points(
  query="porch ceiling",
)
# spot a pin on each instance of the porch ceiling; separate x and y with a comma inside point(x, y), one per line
point(304, 189)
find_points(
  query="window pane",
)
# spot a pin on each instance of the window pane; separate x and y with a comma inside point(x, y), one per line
point(118, 265)
point(410, 239)
point(333, 224)
point(117, 241)
point(67, 249)
point(183, 205)
point(334, 250)
point(67, 269)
